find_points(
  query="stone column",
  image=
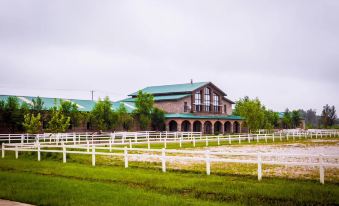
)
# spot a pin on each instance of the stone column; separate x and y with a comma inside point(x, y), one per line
point(212, 127)
point(167, 125)
point(179, 125)
point(222, 128)
point(191, 127)
point(232, 127)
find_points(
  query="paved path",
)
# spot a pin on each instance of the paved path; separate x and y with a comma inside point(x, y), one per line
point(11, 203)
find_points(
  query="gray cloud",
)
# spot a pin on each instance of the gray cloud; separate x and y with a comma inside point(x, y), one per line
point(284, 52)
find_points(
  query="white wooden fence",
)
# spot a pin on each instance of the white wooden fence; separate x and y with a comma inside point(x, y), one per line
point(142, 138)
point(164, 155)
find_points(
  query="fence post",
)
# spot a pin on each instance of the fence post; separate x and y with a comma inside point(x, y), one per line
point(218, 140)
point(3, 150)
point(39, 157)
point(229, 139)
point(63, 153)
point(273, 137)
point(163, 159)
point(165, 143)
point(126, 157)
point(110, 144)
point(206, 140)
point(293, 136)
point(208, 162)
point(87, 145)
point(265, 138)
point(193, 141)
point(239, 139)
point(180, 141)
point(9, 138)
point(135, 137)
point(259, 167)
point(248, 137)
point(130, 143)
point(93, 155)
point(322, 169)
point(148, 143)
point(16, 152)
point(280, 137)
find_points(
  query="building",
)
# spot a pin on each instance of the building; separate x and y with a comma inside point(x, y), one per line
point(197, 107)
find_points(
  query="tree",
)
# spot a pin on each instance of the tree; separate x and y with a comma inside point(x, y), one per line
point(2, 110)
point(310, 117)
point(70, 109)
point(32, 124)
point(13, 114)
point(252, 111)
point(102, 115)
point(271, 119)
point(158, 119)
point(328, 116)
point(58, 122)
point(287, 119)
point(38, 105)
point(143, 112)
point(124, 120)
point(295, 118)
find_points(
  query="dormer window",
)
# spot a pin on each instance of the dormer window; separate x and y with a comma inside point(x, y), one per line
point(207, 99)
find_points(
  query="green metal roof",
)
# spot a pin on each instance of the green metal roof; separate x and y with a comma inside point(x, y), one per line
point(173, 88)
point(83, 105)
point(130, 106)
point(192, 116)
point(161, 98)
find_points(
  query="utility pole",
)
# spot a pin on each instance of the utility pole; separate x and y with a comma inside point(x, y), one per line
point(92, 93)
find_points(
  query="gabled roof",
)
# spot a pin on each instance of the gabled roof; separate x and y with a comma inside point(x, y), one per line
point(173, 88)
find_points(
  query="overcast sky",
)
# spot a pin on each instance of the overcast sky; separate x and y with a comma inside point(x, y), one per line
point(284, 52)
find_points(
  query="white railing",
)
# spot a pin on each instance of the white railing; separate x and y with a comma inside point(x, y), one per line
point(163, 155)
point(142, 138)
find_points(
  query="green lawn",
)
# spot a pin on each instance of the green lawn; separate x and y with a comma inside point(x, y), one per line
point(51, 182)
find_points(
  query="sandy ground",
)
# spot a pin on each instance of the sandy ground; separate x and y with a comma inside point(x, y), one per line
point(11, 203)
point(293, 148)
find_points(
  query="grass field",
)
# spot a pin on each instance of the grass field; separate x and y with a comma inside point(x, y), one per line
point(54, 183)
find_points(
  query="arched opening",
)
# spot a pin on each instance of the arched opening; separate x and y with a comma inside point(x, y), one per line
point(185, 126)
point(173, 126)
point(197, 126)
point(228, 127)
point(218, 128)
point(208, 127)
point(236, 127)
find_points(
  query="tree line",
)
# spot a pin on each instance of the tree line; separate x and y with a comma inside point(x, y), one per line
point(257, 116)
point(64, 115)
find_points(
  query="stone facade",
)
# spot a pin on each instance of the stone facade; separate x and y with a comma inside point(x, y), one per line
point(174, 106)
